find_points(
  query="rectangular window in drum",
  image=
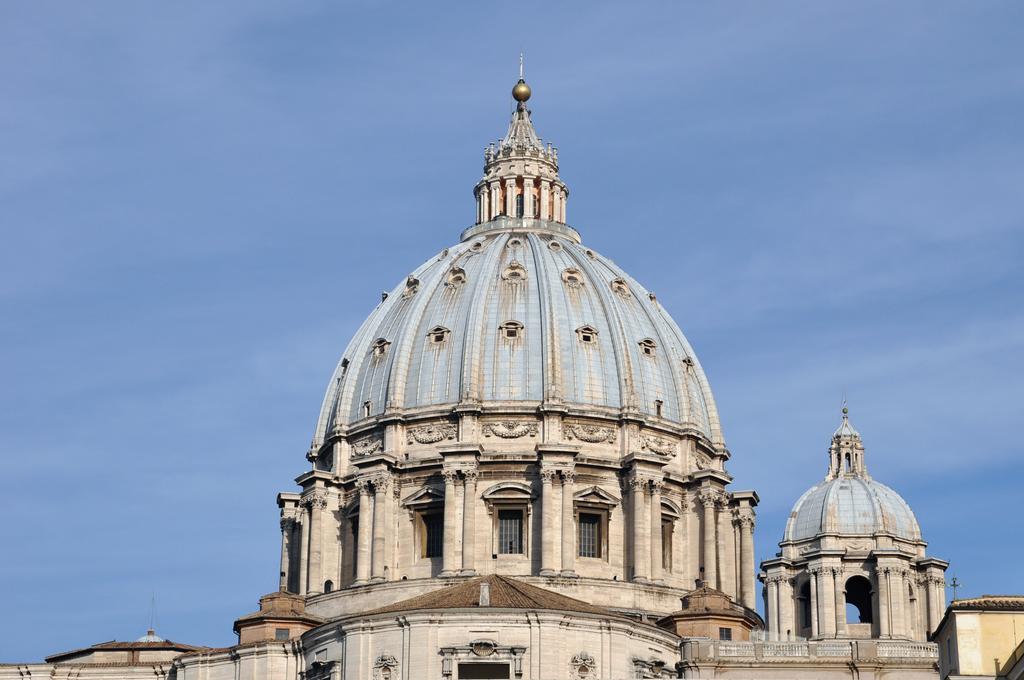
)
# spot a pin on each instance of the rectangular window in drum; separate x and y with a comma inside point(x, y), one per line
point(510, 532)
point(483, 671)
point(590, 535)
point(433, 534)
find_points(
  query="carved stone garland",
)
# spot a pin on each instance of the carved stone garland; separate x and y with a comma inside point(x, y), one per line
point(430, 434)
point(367, 446)
point(510, 429)
point(659, 445)
point(590, 433)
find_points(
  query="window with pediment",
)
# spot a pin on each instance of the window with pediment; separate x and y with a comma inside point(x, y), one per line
point(380, 347)
point(511, 330)
point(587, 334)
point(438, 335)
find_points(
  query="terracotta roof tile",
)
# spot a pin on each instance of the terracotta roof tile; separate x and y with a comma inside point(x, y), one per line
point(505, 593)
point(1003, 602)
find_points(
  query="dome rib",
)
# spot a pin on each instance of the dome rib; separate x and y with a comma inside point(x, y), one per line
point(472, 349)
point(627, 390)
point(550, 357)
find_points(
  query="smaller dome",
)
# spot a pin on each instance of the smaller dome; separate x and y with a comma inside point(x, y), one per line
point(851, 505)
point(150, 636)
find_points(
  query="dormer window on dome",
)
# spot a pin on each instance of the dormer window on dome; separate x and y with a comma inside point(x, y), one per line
point(587, 334)
point(412, 286)
point(648, 347)
point(514, 273)
point(380, 347)
point(511, 330)
point(572, 278)
point(620, 287)
point(456, 277)
point(438, 334)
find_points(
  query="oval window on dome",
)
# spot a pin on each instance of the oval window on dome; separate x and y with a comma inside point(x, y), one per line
point(620, 287)
point(514, 243)
point(514, 273)
point(456, 277)
point(572, 278)
point(555, 245)
point(477, 247)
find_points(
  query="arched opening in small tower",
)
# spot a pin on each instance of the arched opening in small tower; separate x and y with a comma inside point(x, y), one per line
point(912, 611)
point(846, 465)
point(858, 600)
point(805, 604)
point(519, 205)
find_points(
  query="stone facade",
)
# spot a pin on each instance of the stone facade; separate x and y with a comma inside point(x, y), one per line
point(982, 637)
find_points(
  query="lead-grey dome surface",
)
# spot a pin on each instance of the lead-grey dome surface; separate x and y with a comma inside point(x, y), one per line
point(851, 505)
point(588, 335)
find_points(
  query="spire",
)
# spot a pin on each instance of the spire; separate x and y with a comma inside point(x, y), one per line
point(521, 171)
point(846, 453)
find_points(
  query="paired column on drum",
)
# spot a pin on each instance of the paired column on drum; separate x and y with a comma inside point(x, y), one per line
point(291, 524)
point(558, 535)
point(710, 499)
point(657, 555)
point(641, 527)
point(547, 508)
point(568, 522)
point(469, 477)
point(449, 552)
point(459, 550)
point(839, 589)
point(315, 501)
point(372, 533)
point(745, 523)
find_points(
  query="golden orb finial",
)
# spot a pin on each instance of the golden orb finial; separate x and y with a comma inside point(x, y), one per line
point(521, 92)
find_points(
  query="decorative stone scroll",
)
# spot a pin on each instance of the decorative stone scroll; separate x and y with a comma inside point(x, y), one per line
point(592, 434)
point(367, 446)
point(583, 667)
point(430, 434)
point(659, 445)
point(510, 429)
point(385, 667)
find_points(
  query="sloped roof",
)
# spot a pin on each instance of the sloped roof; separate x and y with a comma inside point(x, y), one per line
point(116, 645)
point(1001, 602)
point(505, 593)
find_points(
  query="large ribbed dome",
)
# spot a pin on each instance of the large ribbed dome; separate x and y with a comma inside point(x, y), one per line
point(851, 506)
point(520, 312)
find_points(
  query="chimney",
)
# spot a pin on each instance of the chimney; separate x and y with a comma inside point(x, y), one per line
point(485, 594)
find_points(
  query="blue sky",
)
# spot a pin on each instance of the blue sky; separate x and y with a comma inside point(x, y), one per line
point(201, 201)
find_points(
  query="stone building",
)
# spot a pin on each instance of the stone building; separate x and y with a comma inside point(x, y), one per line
point(853, 562)
point(851, 594)
point(518, 471)
point(982, 637)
